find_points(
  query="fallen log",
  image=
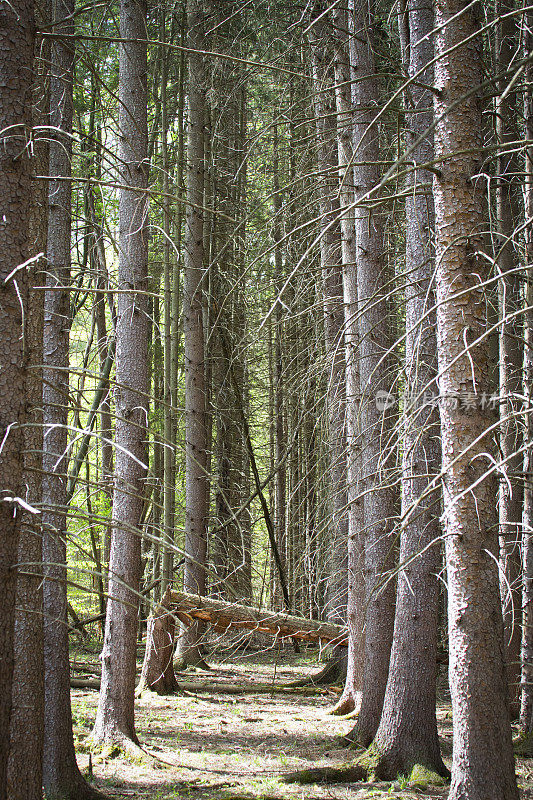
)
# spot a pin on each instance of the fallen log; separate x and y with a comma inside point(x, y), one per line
point(85, 683)
point(212, 687)
point(222, 615)
point(158, 669)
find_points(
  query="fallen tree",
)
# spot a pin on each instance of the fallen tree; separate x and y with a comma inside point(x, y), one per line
point(158, 671)
point(222, 615)
point(217, 687)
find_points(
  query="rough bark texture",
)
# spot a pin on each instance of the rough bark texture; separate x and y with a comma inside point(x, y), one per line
point(407, 733)
point(355, 550)
point(115, 718)
point(376, 376)
point(25, 768)
point(483, 763)
point(17, 35)
point(510, 362)
point(61, 777)
point(103, 345)
point(230, 545)
point(331, 265)
point(196, 479)
point(526, 710)
point(279, 380)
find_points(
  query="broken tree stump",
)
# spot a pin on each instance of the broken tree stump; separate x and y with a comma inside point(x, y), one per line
point(158, 669)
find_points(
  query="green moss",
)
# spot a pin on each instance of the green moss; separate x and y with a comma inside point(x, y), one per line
point(421, 777)
point(124, 749)
point(368, 761)
point(105, 752)
point(350, 773)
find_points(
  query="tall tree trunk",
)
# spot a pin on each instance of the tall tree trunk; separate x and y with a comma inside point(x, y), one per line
point(25, 768)
point(196, 445)
point(102, 338)
point(526, 710)
point(61, 776)
point(478, 680)
point(279, 378)
point(104, 345)
point(510, 301)
point(376, 379)
point(115, 723)
point(231, 548)
point(17, 33)
point(331, 265)
point(169, 452)
point(407, 734)
point(355, 508)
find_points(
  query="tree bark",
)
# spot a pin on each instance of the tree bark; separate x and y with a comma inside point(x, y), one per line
point(331, 266)
point(25, 767)
point(355, 551)
point(407, 733)
point(17, 32)
point(169, 452)
point(526, 709)
point(376, 376)
point(483, 763)
point(196, 445)
point(231, 544)
point(61, 776)
point(158, 668)
point(278, 378)
point(115, 723)
point(510, 361)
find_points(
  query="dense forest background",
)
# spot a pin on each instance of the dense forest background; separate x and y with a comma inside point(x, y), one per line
point(266, 329)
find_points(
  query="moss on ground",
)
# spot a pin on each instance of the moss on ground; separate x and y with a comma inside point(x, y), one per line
point(421, 777)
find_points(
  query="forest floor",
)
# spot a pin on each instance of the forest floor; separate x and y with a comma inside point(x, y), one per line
point(217, 746)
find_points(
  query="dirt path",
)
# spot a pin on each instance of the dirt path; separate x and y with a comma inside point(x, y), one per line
point(228, 747)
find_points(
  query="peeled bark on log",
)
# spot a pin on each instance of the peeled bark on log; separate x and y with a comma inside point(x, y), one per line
point(221, 615)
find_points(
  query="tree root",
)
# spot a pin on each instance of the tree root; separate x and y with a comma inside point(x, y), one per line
point(332, 672)
point(119, 746)
point(389, 766)
point(388, 763)
point(344, 708)
point(367, 767)
point(75, 787)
